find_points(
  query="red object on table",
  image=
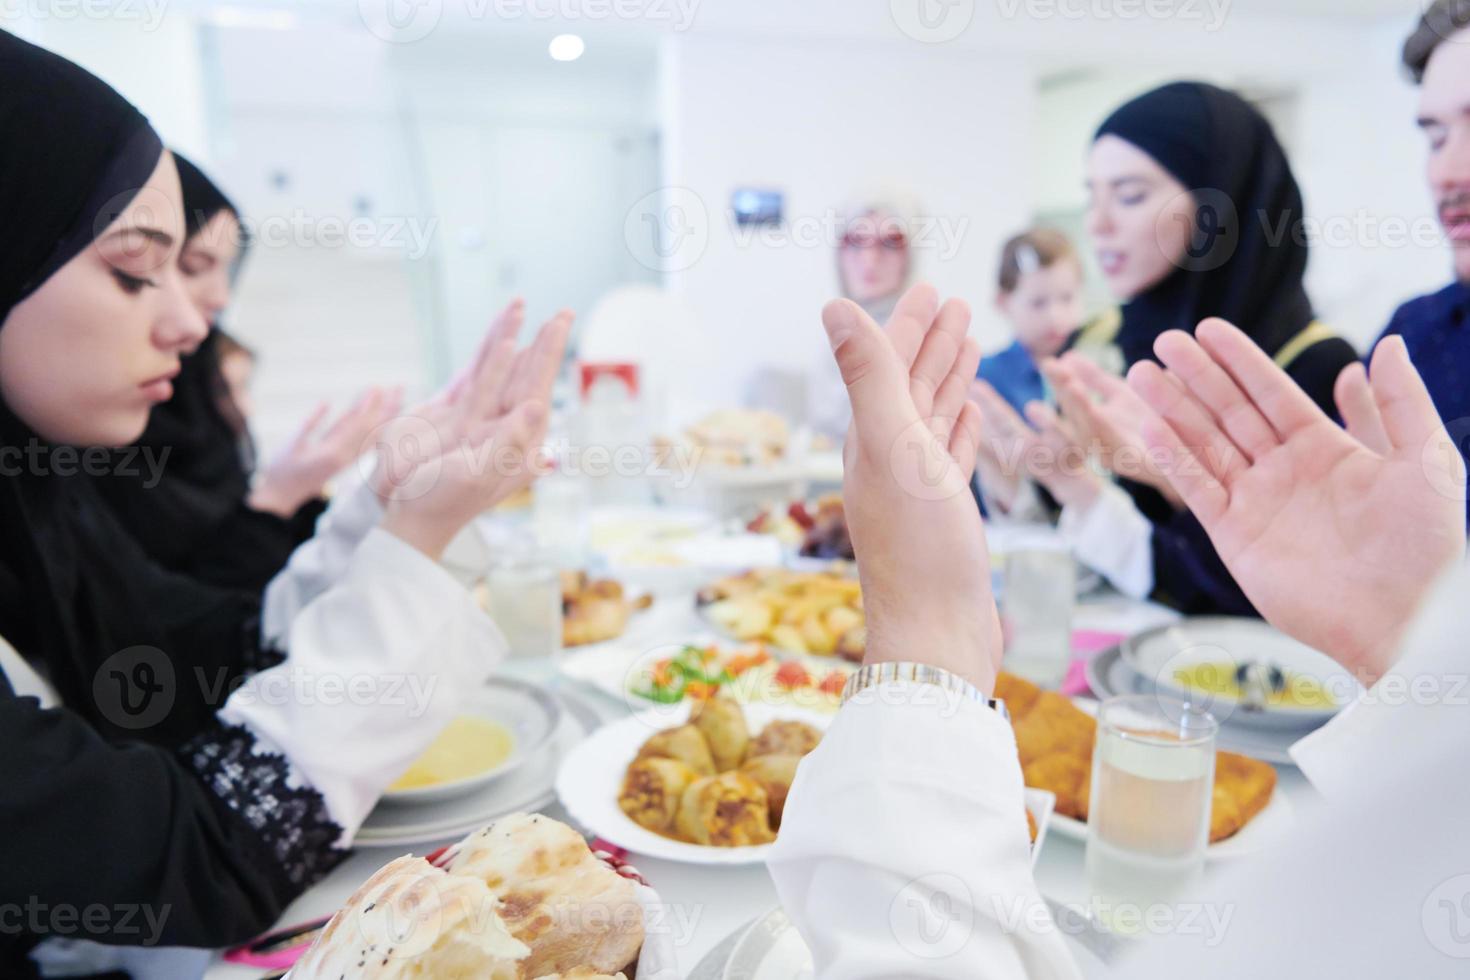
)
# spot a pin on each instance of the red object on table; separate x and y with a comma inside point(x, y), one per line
point(594, 371)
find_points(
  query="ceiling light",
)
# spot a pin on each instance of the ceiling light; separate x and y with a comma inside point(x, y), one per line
point(567, 47)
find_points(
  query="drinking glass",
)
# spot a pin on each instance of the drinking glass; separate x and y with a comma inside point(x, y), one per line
point(525, 602)
point(1148, 822)
point(561, 518)
point(1040, 589)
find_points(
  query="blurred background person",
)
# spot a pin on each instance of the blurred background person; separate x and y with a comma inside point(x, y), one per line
point(875, 264)
point(209, 513)
point(1193, 212)
point(1040, 295)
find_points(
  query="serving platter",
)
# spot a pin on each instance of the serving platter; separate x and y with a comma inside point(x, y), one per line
point(591, 778)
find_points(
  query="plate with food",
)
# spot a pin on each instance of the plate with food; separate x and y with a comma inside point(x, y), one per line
point(1108, 676)
point(702, 783)
point(799, 612)
point(524, 896)
point(503, 724)
point(1244, 671)
point(1055, 735)
point(751, 673)
point(528, 787)
point(814, 529)
point(595, 610)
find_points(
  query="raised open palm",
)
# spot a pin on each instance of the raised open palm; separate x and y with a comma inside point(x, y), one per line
point(908, 458)
point(1334, 535)
point(1108, 417)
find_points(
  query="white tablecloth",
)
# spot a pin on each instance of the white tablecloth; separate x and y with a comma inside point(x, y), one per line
point(711, 902)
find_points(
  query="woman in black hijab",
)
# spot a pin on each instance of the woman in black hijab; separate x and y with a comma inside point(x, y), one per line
point(155, 764)
point(192, 507)
point(1194, 213)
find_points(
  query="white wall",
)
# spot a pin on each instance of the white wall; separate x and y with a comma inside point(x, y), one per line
point(1360, 159)
point(1346, 118)
point(152, 58)
point(821, 121)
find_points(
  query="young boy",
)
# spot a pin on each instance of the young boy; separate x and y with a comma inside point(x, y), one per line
point(1041, 295)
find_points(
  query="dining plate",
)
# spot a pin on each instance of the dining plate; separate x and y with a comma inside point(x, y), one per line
point(1108, 676)
point(771, 949)
point(1268, 828)
point(530, 715)
point(592, 776)
point(615, 670)
point(1265, 829)
point(529, 788)
point(1228, 642)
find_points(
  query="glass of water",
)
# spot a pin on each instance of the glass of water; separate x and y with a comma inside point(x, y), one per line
point(1040, 589)
point(525, 602)
point(1148, 822)
point(561, 518)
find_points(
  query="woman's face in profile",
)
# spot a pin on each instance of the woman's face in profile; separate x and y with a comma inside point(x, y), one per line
point(873, 257)
point(85, 357)
point(1139, 217)
point(206, 262)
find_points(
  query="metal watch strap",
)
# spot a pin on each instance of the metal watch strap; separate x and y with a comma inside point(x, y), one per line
point(872, 675)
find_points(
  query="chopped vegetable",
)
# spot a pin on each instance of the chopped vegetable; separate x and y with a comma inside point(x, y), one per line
point(792, 675)
point(833, 683)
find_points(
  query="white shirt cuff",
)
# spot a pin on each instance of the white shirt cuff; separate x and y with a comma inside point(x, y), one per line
point(903, 847)
point(1111, 537)
point(378, 665)
point(320, 561)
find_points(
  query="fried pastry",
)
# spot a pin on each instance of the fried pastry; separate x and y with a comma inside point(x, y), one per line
point(775, 773)
point(1065, 775)
point(652, 791)
point(593, 620)
point(686, 744)
point(784, 738)
point(722, 722)
point(594, 610)
point(1018, 693)
point(1054, 724)
point(728, 810)
point(1242, 789)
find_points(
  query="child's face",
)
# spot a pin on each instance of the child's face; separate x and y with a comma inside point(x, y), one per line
point(1045, 308)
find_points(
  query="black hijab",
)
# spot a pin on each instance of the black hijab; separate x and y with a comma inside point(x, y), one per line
point(74, 587)
point(1247, 257)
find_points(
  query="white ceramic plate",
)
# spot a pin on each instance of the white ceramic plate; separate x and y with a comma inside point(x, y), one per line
point(592, 776)
point(1109, 676)
point(1265, 829)
point(613, 669)
point(529, 788)
point(530, 714)
point(1157, 653)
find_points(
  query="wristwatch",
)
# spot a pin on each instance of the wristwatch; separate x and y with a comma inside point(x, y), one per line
point(872, 675)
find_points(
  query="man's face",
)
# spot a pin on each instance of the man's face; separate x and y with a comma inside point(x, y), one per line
point(1444, 116)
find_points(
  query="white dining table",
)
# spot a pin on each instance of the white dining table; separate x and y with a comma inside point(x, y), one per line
point(707, 904)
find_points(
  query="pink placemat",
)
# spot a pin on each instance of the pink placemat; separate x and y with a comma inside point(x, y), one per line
point(1086, 644)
